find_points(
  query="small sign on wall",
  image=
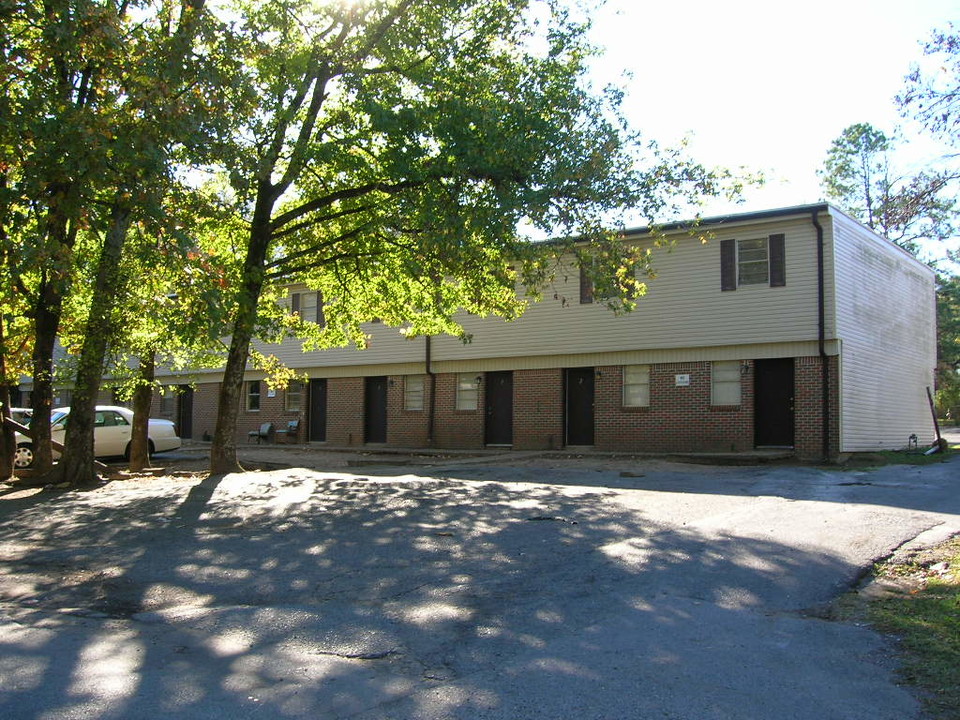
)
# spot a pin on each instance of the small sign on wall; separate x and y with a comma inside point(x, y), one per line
point(271, 392)
point(681, 380)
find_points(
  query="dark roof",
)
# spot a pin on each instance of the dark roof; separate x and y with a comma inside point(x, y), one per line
point(733, 218)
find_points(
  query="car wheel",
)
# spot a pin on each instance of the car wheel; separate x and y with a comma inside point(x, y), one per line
point(23, 458)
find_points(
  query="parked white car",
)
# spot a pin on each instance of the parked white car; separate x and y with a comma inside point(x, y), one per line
point(111, 434)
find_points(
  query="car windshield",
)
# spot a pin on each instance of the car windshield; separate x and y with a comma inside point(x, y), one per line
point(57, 417)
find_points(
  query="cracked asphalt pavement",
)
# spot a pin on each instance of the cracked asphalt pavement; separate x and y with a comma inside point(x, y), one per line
point(512, 588)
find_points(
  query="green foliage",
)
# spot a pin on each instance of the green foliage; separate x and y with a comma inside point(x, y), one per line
point(932, 91)
point(927, 622)
point(858, 174)
point(948, 347)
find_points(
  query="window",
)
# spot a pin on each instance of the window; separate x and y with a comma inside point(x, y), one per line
point(166, 402)
point(726, 383)
point(253, 395)
point(753, 268)
point(753, 261)
point(636, 386)
point(293, 397)
point(413, 392)
point(309, 306)
point(468, 391)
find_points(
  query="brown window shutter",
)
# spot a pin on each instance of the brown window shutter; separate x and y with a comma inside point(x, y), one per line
point(321, 319)
point(295, 302)
point(728, 265)
point(586, 288)
point(778, 268)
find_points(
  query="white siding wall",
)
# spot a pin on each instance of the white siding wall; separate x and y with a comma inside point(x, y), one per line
point(683, 309)
point(886, 324)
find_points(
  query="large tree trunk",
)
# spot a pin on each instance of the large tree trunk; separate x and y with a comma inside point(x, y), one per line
point(223, 452)
point(142, 397)
point(76, 467)
point(46, 324)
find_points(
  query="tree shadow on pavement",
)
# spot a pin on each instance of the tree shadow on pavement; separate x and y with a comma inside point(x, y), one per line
point(301, 594)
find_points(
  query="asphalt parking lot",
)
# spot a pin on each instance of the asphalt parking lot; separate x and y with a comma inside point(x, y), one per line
point(458, 587)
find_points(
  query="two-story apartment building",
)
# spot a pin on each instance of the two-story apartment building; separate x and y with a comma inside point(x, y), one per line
point(794, 328)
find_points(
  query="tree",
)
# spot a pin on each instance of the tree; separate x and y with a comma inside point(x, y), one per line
point(932, 93)
point(858, 175)
point(948, 346)
point(399, 148)
point(107, 97)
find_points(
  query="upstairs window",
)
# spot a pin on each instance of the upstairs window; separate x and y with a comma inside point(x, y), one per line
point(752, 261)
point(309, 306)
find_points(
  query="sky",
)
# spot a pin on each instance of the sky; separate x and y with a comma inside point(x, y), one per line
point(766, 85)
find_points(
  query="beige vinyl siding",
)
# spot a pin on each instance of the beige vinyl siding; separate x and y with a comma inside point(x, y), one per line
point(684, 316)
point(684, 307)
point(886, 323)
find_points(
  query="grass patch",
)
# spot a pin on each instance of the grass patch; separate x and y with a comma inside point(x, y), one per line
point(922, 608)
point(881, 458)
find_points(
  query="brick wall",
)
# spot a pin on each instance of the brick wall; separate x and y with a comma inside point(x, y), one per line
point(345, 411)
point(808, 405)
point(678, 419)
point(457, 428)
point(538, 409)
point(406, 428)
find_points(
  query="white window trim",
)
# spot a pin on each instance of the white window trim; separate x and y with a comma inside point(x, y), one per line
point(413, 392)
point(764, 262)
point(637, 377)
point(725, 388)
point(298, 395)
point(468, 391)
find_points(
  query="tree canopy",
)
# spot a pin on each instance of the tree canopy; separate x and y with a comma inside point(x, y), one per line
point(395, 156)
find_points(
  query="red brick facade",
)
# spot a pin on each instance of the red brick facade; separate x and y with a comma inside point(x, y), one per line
point(680, 416)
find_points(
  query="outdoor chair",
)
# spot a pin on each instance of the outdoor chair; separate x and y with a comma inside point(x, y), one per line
point(291, 434)
point(262, 435)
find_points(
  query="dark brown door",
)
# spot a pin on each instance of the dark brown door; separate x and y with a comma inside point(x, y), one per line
point(498, 429)
point(579, 406)
point(318, 410)
point(773, 402)
point(185, 412)
point(375, 410)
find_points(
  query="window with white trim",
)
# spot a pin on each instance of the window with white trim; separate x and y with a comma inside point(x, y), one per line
point(753, 261)
point(413, 392)
point(468, 391)
point(293, 397)
point(753, 265)
point(636, 385)
point(725, 382)
point(253, 395)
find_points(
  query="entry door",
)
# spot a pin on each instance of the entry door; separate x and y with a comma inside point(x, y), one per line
point(773, 402)
point(498, 429)
point(318, 410)
point(375, 410)
point(185, 412)
point(579, 406)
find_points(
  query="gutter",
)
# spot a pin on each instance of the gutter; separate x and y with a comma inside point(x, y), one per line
point(821, 339)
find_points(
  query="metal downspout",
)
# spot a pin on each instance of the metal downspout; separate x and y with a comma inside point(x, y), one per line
point(821, 342)
point(432, 409)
